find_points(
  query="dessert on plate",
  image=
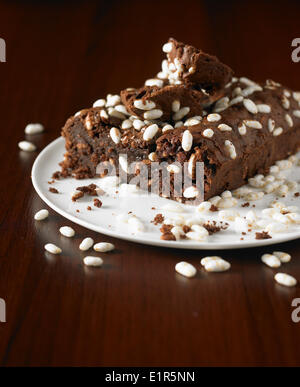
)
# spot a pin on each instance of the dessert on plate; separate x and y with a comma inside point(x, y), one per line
point(193, 113)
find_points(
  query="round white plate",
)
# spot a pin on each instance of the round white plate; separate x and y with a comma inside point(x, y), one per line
point(111, 218)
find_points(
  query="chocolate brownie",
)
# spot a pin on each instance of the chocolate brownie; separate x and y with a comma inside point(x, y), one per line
point(243, 133)
point(189, 82)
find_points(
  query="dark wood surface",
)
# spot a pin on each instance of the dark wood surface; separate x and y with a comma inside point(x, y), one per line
point(61, 56)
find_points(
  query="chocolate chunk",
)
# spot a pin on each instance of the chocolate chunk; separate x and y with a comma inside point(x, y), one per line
point(97, 203)
point(158, 219)
point(77, 196)
point(212, 226)
point(168, 237)
point(262, 235)
point(88, 189)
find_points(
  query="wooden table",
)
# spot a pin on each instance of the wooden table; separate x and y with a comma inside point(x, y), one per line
point(62, 56)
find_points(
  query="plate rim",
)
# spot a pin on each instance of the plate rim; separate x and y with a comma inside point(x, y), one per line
point(136, 238)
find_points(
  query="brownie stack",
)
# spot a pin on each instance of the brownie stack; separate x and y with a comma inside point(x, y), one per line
point(193, 111)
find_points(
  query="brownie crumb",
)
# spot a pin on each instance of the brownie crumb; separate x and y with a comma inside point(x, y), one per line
point(186, 228)
point(168, 237)
point(262, 235)
point(296, 194)
point(158, 219)
point(56, 175)
point(77, 211)
point(97, 203)
point(247, 204)
point(89, 208)
point(153, 208)
point(77, 196)
point(166, 228)
point(88, 189)
point(244, 233)
point(53, 190)
point(213, 208)
point(213, 227)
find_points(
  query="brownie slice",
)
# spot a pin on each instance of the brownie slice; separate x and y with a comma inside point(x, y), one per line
point(243, 139)
point(189, 82)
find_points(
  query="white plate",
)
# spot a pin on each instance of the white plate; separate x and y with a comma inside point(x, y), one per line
point(106, 220)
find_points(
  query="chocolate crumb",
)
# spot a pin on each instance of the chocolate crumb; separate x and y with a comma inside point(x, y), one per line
point(88, 189)
point(53, 190)
point(213, 227)
point(296, 194)
point(166, 228)
point(56, 175)
point(77, 211)
point(158, 219)
point(247, 204)
point(262, 235)
point(244, 233)
point(89, 208)
point(77, 196)
point(153, 208)
point(97, 203)
point(186, 228)
point(168, 237)
point(213, 208)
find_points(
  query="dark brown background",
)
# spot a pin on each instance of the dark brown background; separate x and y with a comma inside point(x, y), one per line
point(62, 56)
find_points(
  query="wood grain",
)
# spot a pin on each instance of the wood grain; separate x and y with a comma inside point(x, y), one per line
point(61, 56)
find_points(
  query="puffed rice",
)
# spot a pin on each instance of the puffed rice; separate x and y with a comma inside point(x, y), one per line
point(104, 247)
point(67, 231)
point(250, 106)
point(215, 264)
point(93, 261)
point(147, 105)
point(27, 146)
point(115, 135)
point(271, 260)
point(51, 248)
point(284, 257)
point(150, 132)
point(187, 140)
point(186, 269)
point(153, 114)
point(86, 244)
point(285, 279)
point(41, 215)
point(181, 113)
point(34, 128)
